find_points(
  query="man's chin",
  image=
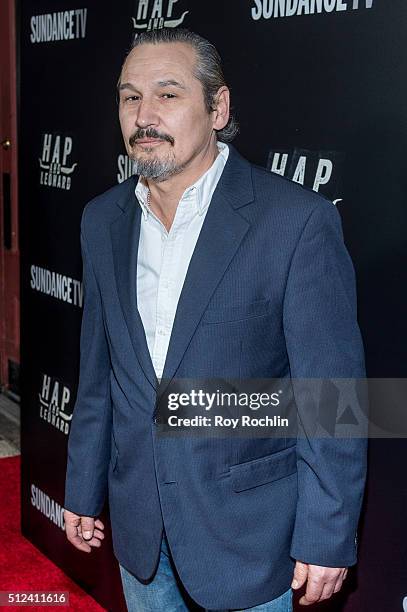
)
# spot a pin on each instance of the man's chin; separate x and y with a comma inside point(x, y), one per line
point(154, 172)
point(156, 167)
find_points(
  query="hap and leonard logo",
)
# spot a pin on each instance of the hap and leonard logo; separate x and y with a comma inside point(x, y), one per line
point(55, 406)
point(156, 14)
point(56, 167)
point(321, 171)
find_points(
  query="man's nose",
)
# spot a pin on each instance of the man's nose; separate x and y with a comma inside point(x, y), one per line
point(146, 114)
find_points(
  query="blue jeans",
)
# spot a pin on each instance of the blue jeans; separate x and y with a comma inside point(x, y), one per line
point(165, 593)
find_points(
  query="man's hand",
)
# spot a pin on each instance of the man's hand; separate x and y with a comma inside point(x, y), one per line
point(83, 531)
point(322, 582)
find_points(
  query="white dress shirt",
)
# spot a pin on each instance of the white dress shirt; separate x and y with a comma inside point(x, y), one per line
point(164, 256)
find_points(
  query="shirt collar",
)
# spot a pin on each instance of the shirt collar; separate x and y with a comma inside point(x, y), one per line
point(141, 195)
point(202, 189)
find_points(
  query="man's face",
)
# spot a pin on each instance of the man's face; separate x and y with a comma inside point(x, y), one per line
point(163, 117)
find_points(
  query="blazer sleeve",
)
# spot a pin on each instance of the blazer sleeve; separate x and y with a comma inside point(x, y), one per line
point(90, 433)
point(324, 343)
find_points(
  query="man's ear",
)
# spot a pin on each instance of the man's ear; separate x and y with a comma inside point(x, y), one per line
point(221, 108)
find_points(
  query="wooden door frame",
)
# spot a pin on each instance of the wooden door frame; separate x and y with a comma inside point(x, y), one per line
point(9, 234)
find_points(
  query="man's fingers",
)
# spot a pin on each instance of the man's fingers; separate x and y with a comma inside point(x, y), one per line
point(313, 592)
point(71, 527)
point(333, 586)
point(300, 574)
point(83, 532)
point(321, 583)
point(339, 582)
point(327, 591)
point(75, 538)
point(87, 525)
point(96, 534)
point(95, 542)
point(80, 544)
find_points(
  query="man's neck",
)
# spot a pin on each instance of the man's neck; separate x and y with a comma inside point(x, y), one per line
point(165, 195)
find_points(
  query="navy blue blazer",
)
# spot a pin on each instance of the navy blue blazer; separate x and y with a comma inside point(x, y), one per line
point(269, 292)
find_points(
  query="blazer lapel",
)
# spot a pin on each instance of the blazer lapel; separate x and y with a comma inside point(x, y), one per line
point(125, 234)
point(221, 234)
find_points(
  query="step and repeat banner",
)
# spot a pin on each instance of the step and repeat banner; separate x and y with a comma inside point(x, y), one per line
point(319, 88)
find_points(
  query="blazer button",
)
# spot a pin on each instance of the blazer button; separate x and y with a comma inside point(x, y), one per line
point(155, 420)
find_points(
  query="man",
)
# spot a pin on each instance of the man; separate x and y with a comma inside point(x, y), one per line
point(205, 266)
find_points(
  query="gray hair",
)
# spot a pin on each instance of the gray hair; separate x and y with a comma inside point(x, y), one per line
point(208, 69)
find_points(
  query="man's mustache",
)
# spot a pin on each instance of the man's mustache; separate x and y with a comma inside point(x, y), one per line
point(141, 133)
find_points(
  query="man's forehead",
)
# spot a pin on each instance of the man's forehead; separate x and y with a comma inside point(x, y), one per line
point(176, 58)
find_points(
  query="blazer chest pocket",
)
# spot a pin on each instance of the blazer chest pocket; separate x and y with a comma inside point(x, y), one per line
point(236, 312)
point(266, 469)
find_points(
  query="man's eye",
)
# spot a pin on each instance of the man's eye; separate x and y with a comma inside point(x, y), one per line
point(169, 95)
point(131, 98)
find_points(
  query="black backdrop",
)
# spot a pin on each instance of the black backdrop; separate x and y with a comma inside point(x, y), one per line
point(321, 97)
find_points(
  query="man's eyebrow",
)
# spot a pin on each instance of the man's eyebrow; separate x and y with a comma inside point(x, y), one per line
point(165, 83)
point(168, 82)
point(126, 86)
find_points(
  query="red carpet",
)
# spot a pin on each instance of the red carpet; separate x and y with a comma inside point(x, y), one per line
point(22, 566)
